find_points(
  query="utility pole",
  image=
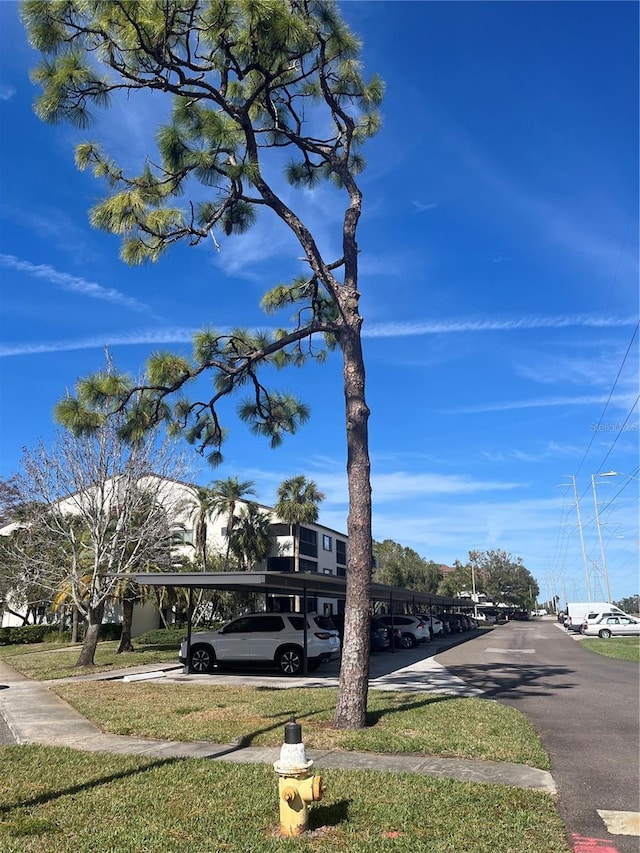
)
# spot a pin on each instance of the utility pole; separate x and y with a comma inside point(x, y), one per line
point(584, 553)
point(473, 590)
point(605, 572)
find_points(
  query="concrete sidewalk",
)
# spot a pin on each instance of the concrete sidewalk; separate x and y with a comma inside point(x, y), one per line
point(34, 714)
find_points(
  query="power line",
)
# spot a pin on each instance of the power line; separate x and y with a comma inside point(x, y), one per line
point(595, 432)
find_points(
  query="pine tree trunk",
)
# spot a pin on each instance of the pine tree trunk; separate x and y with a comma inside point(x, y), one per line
point(127, 620)
point(351, 707)
point(87, 653)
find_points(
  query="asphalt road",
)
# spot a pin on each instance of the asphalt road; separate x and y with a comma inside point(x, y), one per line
point(586, 708)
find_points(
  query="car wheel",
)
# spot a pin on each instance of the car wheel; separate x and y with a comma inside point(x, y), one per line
point(605, 633)
point(202, 659)
point(408, 641)
point(289, 661)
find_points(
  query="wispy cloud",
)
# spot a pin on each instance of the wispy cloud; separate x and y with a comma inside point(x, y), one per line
point(540, 403)
point(577, 229)
point(73, 284)
point(55, 226)
point(507, 324)
point(6, 92)
point(598, 371)
point(552, 450)
point(402, 485)
point(447, 533)
point(182, 334)
point(421, 206)
point(149, 337)
point(389, 488)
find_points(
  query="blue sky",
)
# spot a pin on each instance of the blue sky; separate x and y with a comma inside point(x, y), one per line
point(499, 280)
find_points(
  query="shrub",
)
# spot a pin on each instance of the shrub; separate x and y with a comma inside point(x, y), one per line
point(23, 634)
point(166, 637)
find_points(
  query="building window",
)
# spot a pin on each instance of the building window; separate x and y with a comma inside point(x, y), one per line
point(326, 543)
point(341, 572)
point(280, 564)
point(308, 566)
point(308, 542)
point(341, 552)
point(327, 572)
point(279, 529)
point(183, 536)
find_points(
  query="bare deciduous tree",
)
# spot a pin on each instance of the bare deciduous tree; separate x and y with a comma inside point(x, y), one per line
point(99, 508)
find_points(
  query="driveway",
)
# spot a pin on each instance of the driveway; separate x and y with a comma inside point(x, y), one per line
point(586, 708)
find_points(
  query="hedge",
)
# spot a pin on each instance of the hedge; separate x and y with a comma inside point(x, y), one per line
point(169, 637)
point(23, 634)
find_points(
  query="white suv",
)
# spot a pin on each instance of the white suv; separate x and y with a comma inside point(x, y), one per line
point(414, 629)
point(437, 627)
point(264, 638)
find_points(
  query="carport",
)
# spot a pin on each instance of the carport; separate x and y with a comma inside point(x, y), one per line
point(301, 584)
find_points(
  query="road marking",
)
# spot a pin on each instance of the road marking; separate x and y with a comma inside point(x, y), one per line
point(582, 844)
point(621, 823)
point(513, 651)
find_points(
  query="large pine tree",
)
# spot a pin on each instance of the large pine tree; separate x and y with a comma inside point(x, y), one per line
point(249, 80)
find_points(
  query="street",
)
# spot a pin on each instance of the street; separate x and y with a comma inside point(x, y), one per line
point(586, 708)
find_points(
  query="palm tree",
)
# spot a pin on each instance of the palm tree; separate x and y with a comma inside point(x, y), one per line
point(297, 503)
point(251, 539)
point(225, 497)
point(204, 504)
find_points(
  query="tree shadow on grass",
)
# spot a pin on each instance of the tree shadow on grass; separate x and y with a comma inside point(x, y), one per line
point(280, 720)
point(374, 717)
point(49, 796)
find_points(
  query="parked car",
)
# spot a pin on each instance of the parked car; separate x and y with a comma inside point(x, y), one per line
point(395, 635)
point(612, 626)
point(379, 636)
point(414, 629)
point(275, 639)
point(456, 623)
point(436, 623)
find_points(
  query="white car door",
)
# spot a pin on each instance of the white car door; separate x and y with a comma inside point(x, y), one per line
point(233, 641)
point(269, 632)
point(628, 627)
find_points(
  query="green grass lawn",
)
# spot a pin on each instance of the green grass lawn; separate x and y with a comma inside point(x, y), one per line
point(622, 648)
point(62, 801)
point(398, 722)
point(43, 661)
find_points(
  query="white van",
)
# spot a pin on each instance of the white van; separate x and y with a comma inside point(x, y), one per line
point(579, 612)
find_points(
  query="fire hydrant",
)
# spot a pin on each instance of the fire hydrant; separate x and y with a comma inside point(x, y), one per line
point(296, 786)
